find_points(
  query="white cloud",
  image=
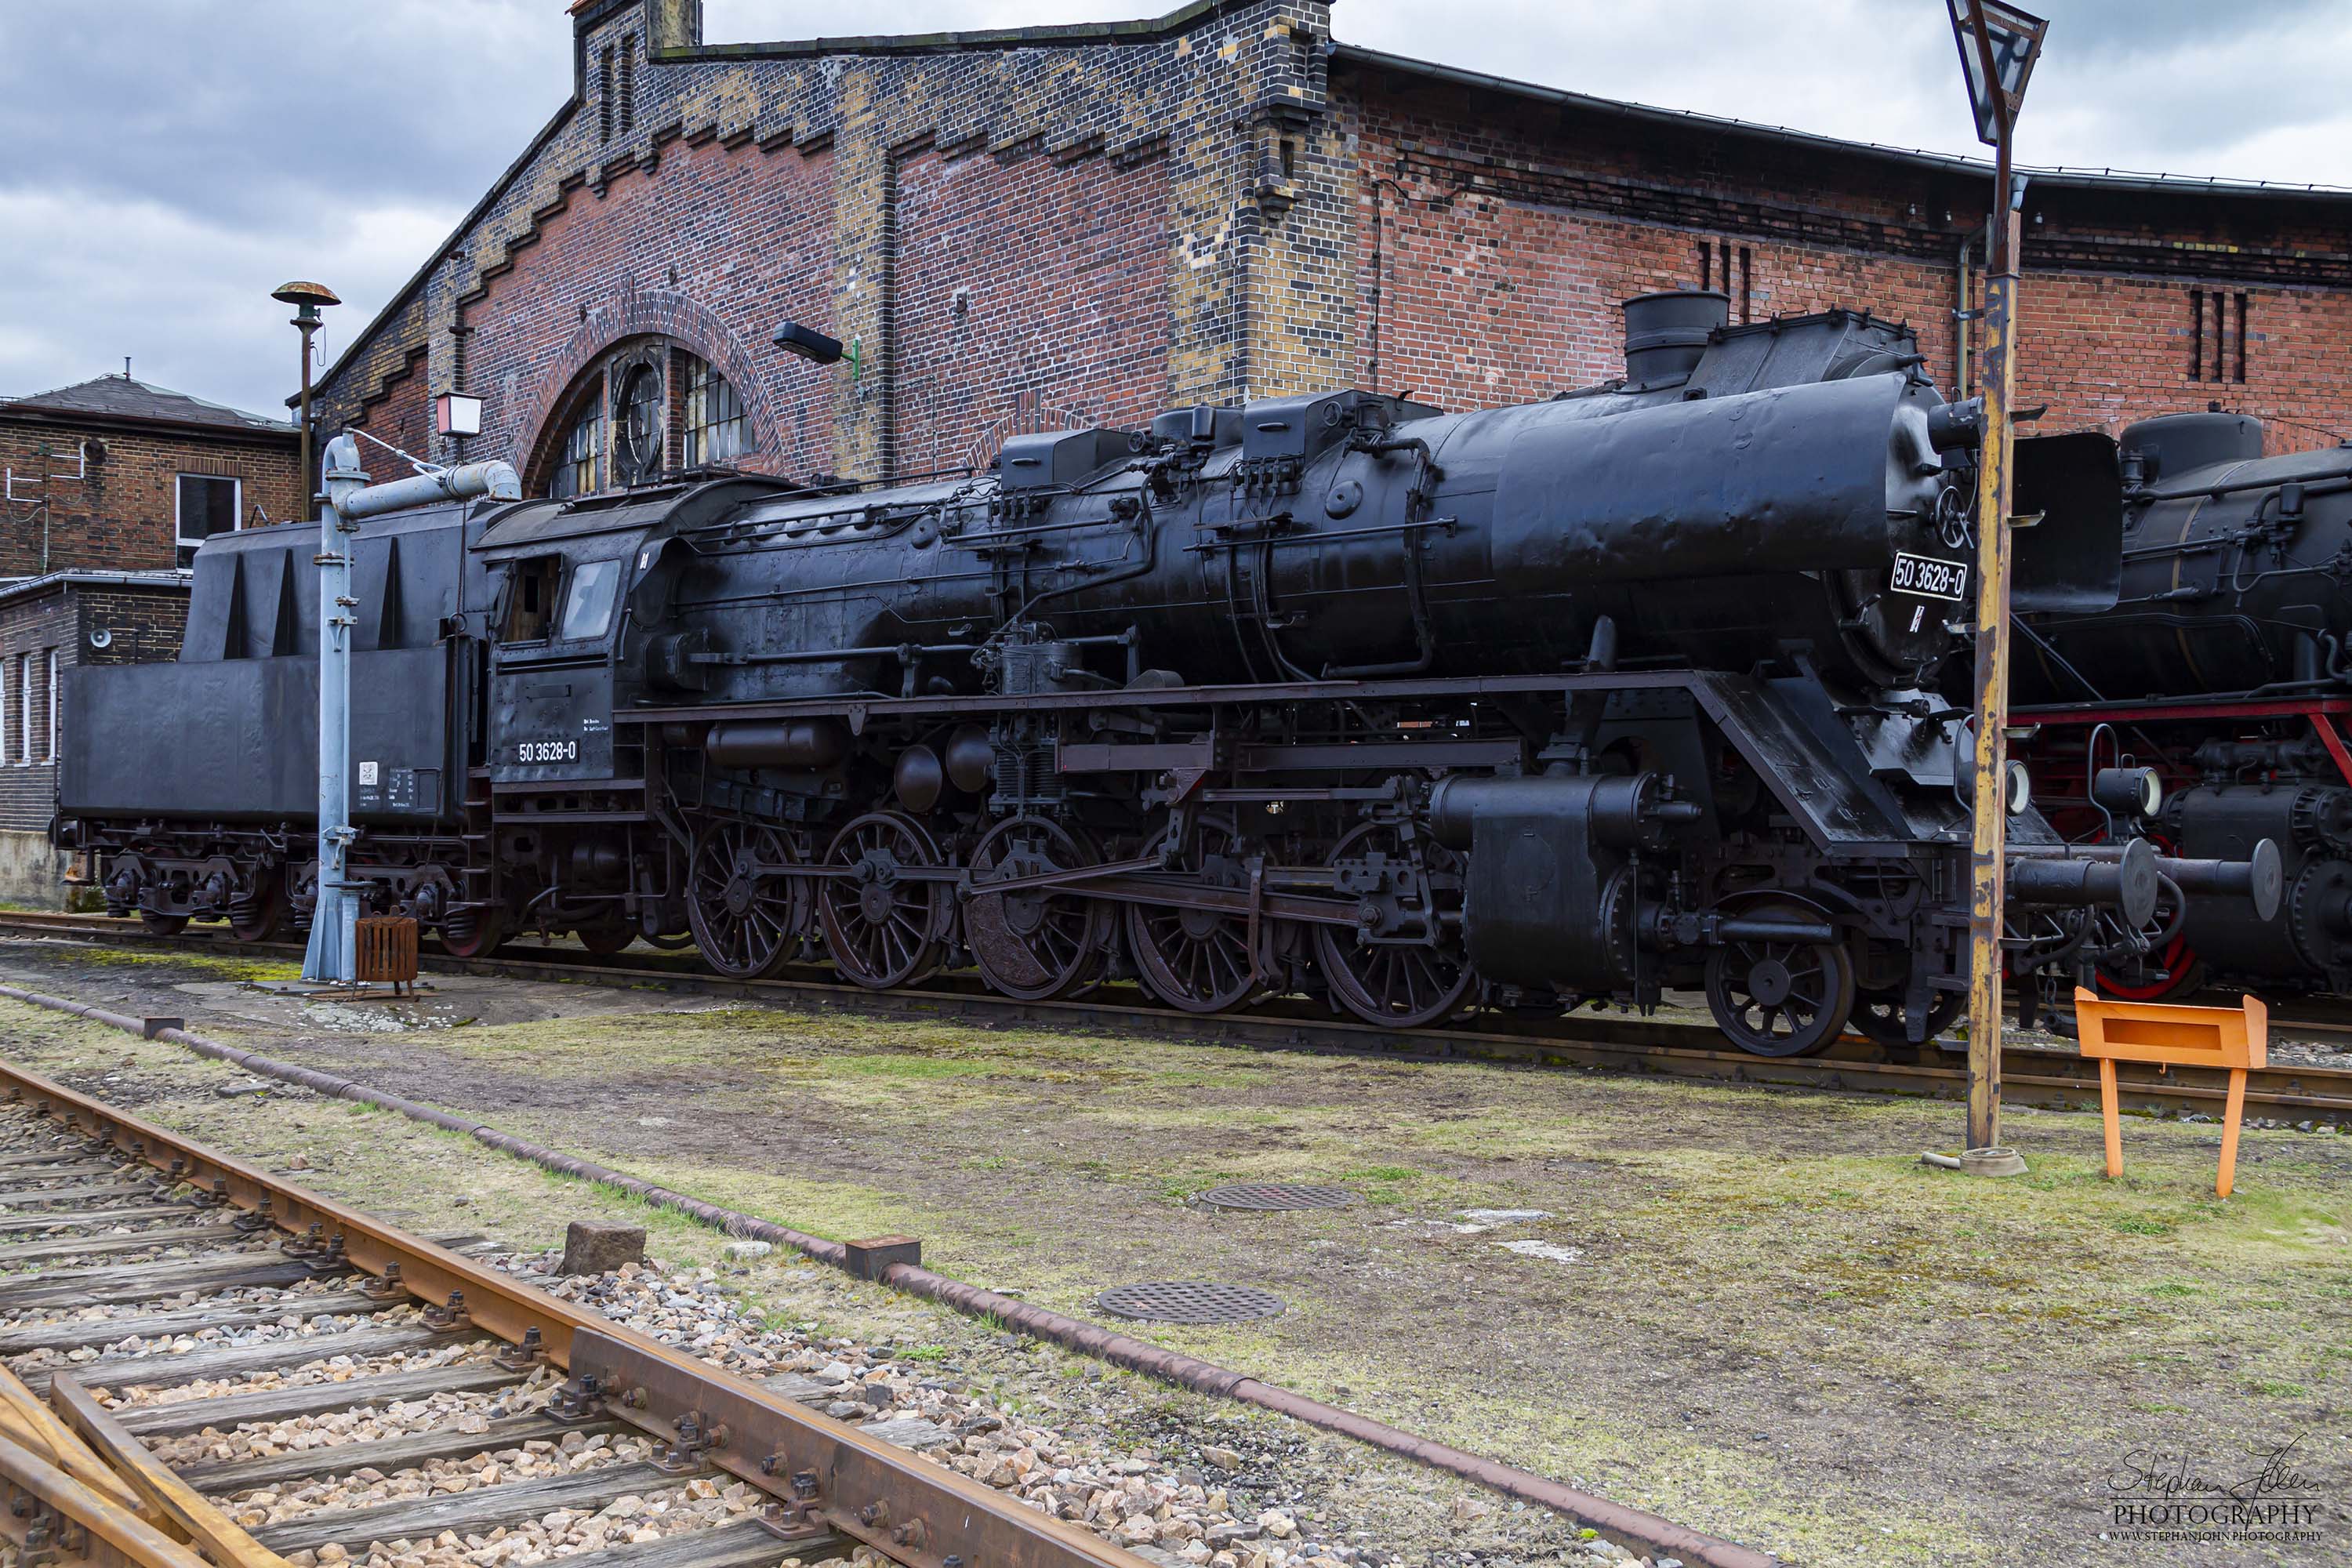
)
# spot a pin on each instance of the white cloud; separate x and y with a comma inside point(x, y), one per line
point(171, 161)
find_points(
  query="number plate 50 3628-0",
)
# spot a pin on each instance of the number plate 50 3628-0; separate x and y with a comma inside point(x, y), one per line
point(1930, 576)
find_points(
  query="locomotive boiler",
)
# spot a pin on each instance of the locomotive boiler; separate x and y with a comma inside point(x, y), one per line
point(2225, 669)
point(1624, 691)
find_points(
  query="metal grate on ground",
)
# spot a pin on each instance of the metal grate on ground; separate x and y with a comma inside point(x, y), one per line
point(1190, 1301)
point(1265, 1197)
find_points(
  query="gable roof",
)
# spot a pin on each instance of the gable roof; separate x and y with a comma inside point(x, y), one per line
point(120, 398)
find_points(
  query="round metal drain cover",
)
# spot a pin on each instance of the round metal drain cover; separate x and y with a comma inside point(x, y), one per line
point(1263, 1197)
point(1190, 1301)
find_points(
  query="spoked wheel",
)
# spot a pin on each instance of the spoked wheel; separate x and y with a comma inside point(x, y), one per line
point(605, 940)
point(255, 916)
point(884, 927)
point(1780, 998)
point(1040, 942)
point(473, 933)
point(1198, 960)
point(1880, 1016)
point(162, 925)
point(744, 899)
point(1392, 985)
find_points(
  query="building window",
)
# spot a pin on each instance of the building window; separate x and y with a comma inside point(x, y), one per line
point(716, 431)
point(575, 471)
point(25, 669)
point(628, 84)
point(49, 663)
point(205, 506)
point(604, 96)
point(640, 421)
point(2209, 356)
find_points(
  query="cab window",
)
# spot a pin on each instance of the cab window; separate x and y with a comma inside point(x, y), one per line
point(588, 601)
point(530, 602)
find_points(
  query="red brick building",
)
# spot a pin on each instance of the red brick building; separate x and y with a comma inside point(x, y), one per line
point(111, 484)
point(1087, 224)
point(116, 475)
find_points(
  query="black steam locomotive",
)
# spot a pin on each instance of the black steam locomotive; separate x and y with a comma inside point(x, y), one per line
point(1624, 691)
point(2227, 669)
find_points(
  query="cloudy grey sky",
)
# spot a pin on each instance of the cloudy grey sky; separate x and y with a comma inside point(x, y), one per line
point(173, 161)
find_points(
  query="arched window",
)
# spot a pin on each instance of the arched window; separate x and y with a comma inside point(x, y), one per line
point(644, 410)
point(716, 430)
point(577, 471)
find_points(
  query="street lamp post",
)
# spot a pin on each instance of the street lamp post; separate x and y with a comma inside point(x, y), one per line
point(1998, 46)
point(306, 299)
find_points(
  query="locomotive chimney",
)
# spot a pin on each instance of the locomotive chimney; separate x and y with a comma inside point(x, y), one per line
point(1666, 333)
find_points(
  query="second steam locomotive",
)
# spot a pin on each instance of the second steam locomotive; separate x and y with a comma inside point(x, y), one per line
point(2225, 671)
point(1629, 689)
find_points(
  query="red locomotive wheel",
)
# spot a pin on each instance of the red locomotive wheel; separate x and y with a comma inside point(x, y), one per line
point(257, 918)
point(747, 905)
point(883, 927)
point(473, 933)
point(1394, 985)
point(162, 925)
point(1034, 943)
point(606, 940)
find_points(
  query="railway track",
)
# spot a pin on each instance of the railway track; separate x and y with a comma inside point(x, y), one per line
point(2032, 1074)
point(169, 1313)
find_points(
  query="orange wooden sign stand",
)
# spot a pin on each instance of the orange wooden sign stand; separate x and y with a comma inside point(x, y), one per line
point(2237, 1039)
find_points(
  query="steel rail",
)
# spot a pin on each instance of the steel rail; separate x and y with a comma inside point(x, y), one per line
point(2033, 1074)
point(821, 1475)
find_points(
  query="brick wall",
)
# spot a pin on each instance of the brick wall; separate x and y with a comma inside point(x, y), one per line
point(47, 632)
point(995, 333)
point(740, 186)
point(1089, 222)
point(1495, 245)
point(121, 515)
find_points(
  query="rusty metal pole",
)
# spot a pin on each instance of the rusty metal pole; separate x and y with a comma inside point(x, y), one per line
point(1989, 818)
point(307, 298)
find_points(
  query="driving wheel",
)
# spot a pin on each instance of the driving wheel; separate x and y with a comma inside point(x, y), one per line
point(747, 905)
point(1034, 943)
point(883, 926)
point(1397, 985)
point(1199, 959)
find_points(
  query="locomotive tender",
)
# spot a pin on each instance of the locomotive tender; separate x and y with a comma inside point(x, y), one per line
point(1624, 691)
point(2227, 669)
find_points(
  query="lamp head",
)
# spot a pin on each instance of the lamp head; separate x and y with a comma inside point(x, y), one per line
point(306, 299)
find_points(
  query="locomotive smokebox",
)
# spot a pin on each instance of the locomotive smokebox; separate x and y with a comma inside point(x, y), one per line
point(1666, 333)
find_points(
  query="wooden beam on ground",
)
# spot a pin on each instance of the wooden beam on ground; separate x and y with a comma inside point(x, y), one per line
point(226, 1477)
point(234, 1410)
point(467, 1513)
point(76, 1332)
point(186, 1512)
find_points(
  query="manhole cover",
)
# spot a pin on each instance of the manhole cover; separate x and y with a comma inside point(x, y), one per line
point(1263, 1197)
point(1190, 1301)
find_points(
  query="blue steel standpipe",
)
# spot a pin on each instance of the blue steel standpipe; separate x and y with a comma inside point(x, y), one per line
point(331, 956)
